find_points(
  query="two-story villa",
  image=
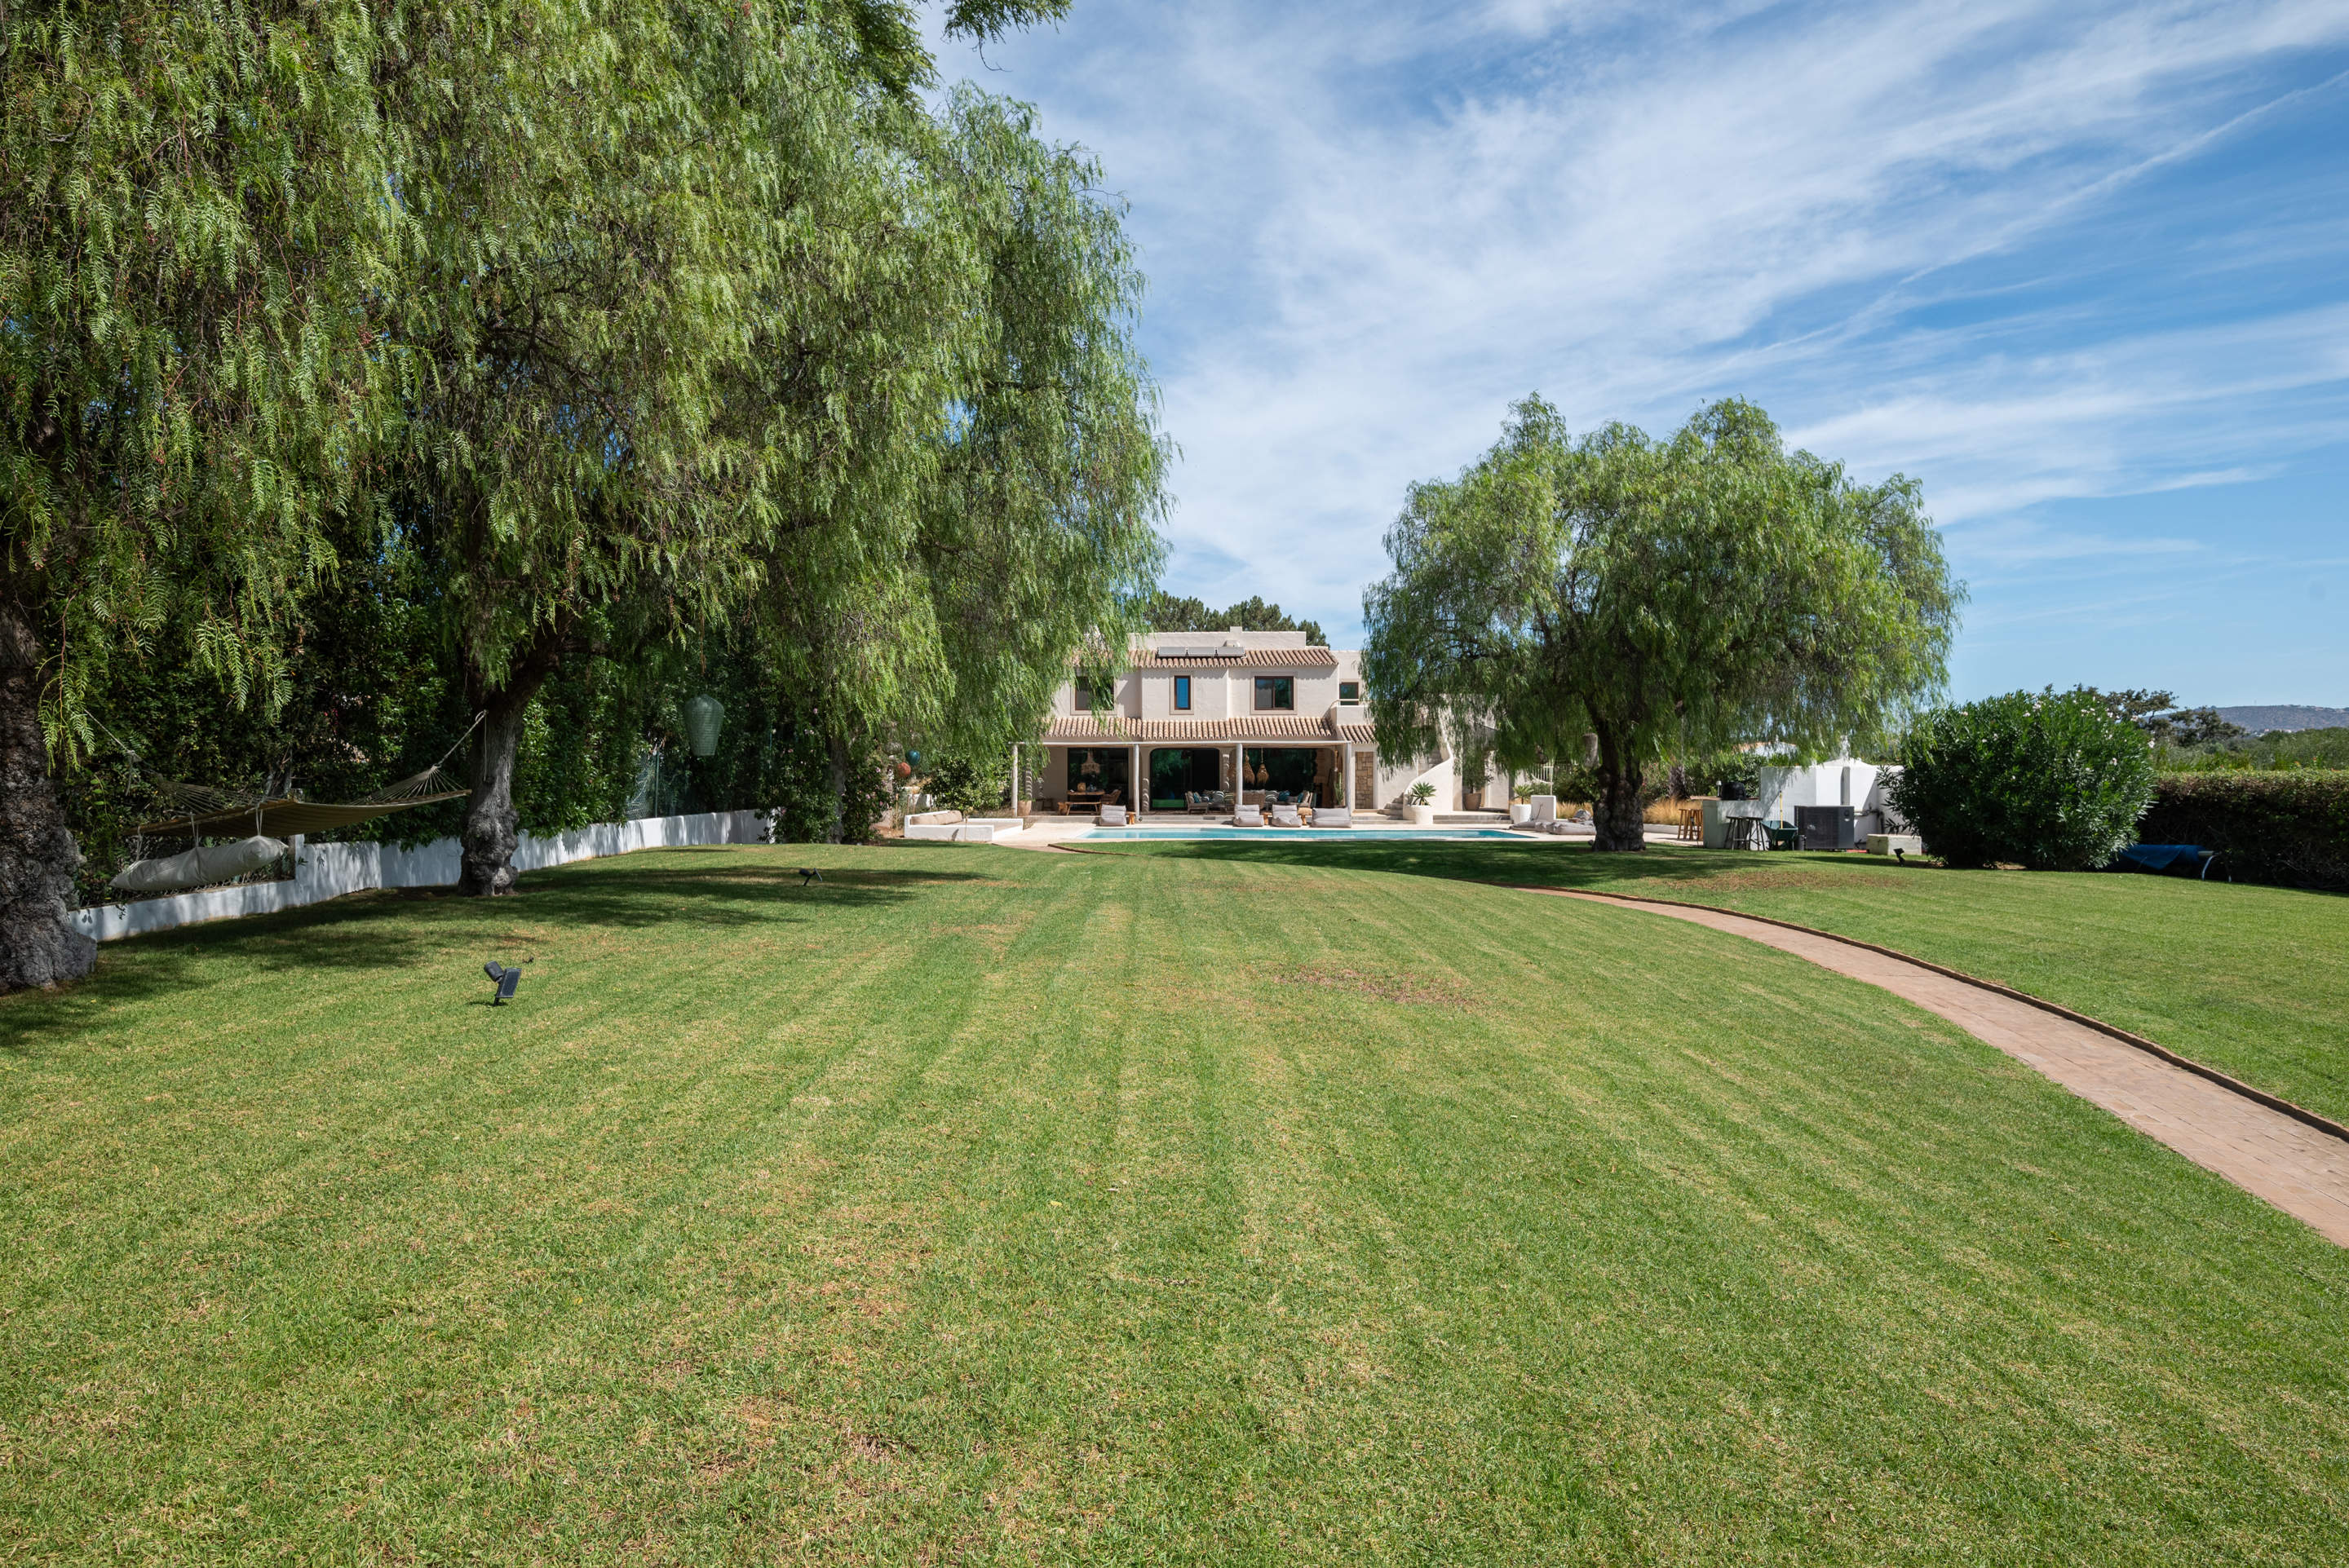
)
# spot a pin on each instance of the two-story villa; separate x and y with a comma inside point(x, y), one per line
point(1258, 714)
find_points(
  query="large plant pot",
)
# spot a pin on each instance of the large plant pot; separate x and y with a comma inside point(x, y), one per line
point(1423, 816)
point(1520, 811)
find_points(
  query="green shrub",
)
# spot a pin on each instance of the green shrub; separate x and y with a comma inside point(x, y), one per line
point(2289, 827)
point(2054, 782)
point(973, 786)
point(1732, 774)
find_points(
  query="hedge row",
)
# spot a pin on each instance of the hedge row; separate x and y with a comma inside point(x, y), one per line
point(2287, 827)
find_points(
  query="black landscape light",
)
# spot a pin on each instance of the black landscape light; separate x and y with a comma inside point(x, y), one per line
point(809, 874)
point(507, 978)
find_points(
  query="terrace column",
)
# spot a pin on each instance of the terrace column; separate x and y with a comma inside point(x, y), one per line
point(1137, 785)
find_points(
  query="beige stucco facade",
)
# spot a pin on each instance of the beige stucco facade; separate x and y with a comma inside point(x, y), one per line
point(1268, 707)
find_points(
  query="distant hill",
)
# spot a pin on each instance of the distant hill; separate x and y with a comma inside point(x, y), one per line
point(2285, 715)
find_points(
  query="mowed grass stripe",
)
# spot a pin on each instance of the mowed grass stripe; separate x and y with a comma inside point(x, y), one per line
point(1684, 1133)
point(1155, 1211)
point(2253, 980)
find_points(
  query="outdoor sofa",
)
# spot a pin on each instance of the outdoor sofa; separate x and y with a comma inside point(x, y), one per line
point(954, 828)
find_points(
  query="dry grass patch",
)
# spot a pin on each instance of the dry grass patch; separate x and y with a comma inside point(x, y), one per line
point(1386, 986)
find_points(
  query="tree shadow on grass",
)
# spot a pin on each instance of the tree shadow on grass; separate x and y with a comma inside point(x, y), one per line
point(393, 927)
point(1689, 875)
point(1661, 873)
point(358, 932)
point(723, 891)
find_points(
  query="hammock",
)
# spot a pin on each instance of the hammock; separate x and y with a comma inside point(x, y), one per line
point(204, 867)
point(213, 813)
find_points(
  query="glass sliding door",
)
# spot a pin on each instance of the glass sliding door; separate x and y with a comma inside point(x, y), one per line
point(1177, 772)
point(1097, 773)
point(1284, 773)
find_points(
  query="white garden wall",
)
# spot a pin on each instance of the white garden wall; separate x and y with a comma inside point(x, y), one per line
point(1844, 781)
point(321, 871)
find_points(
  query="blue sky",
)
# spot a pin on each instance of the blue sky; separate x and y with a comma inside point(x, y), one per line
point(2078, 268)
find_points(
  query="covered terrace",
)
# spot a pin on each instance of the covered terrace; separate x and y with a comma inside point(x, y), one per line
point(1087, 761)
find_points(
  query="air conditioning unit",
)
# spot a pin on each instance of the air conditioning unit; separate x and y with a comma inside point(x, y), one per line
point(1827, 827)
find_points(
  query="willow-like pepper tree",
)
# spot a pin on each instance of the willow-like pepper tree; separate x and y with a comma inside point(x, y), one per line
point(1669, 596)
point(604, 319)
point(685, 315)
point(976, 490)
point(1041, 531)
point(192, 229)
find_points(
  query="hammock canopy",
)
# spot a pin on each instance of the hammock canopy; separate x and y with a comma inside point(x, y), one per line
point(212, 813)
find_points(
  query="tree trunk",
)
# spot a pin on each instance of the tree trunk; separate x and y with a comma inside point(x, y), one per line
point(836, 781)
point(37, 854)
point(1616, 815)
point(493, 825)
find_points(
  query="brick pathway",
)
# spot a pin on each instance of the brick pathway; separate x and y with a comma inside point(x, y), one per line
point(2293, 1166)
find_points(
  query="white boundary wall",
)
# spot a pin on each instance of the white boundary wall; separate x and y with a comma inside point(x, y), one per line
point(321, 871)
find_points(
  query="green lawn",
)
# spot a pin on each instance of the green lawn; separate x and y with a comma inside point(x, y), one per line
point(990, 1206)
point(2253, 980)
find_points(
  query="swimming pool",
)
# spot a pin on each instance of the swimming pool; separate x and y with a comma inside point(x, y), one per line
point(1375, 835)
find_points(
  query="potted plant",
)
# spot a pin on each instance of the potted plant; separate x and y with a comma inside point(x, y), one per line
point(1521, 805)
point(1421, 798)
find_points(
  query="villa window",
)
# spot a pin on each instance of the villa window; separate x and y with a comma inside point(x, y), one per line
point(1349, 691)
point(1182, 694)
point(1276, 693)
point(1094, 696)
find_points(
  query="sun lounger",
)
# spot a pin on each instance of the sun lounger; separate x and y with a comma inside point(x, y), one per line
point(1111, 817)
point(1286, 816)
point(954, 828)
point(1333, 816)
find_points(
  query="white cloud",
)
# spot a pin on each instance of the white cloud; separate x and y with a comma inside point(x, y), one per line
point(1369, 230)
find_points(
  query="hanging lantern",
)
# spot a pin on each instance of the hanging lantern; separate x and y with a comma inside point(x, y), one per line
point(703, 714)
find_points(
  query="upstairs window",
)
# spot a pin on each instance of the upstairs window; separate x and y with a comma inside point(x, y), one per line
point(1276, 693)
point(1349, 691)
point(1182, 694)
point(1094, 696)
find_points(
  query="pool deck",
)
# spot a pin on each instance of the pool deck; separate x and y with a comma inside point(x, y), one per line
point(1048, 832)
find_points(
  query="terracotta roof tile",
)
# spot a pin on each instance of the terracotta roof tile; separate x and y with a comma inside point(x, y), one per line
point(1083, 728)
point(1254, 659)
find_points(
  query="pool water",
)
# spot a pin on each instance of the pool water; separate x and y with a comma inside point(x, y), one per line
point(1375, 835)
